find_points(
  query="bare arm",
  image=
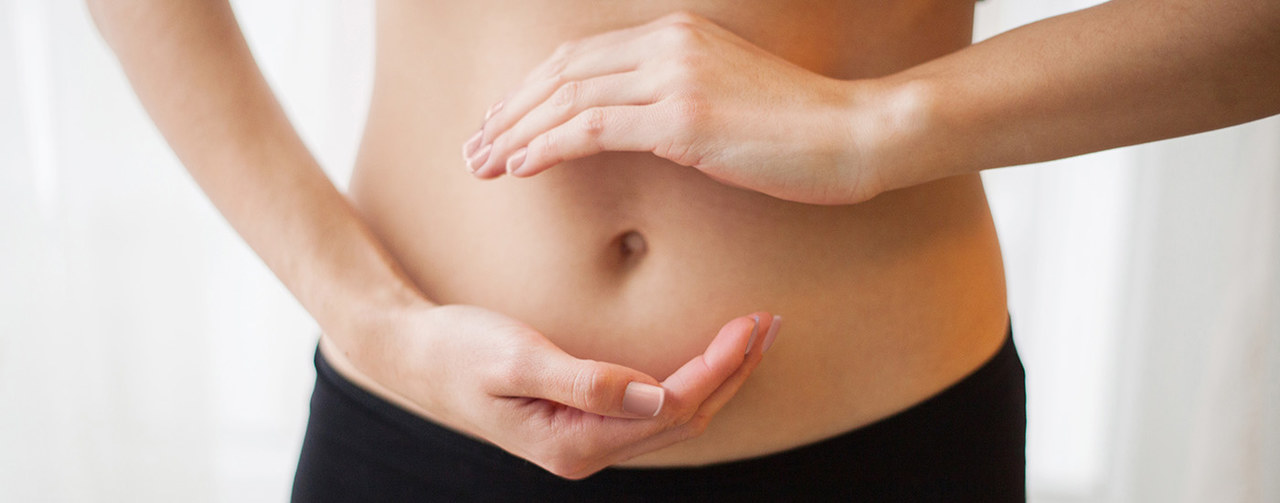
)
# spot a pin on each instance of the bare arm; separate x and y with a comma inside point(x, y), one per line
point(468, 368)
point(192, 70)
point(1120, 73)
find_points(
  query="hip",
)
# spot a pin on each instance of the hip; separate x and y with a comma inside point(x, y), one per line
point(964, 443)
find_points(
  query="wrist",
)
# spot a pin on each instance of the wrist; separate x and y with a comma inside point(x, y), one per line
point(893, 135)
point(367, 330)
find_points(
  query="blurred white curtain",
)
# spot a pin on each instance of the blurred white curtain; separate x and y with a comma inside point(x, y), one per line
point(1144, 288)
point(147, 355)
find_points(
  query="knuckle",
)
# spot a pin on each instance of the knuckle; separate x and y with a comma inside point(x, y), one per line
point(682, 34)
point(682, 16)
point(588, 383)
point(555, 68)
point(521, 350)
point(565, 49)
point(511, 365)
point(555, 72)
point(592, 122)
point(567, 94)
point(546, 144)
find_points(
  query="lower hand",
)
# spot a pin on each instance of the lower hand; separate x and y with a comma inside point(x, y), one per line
point(688, 91)
point(495, 378)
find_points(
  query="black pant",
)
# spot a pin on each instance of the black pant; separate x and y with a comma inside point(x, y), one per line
point(967, 443)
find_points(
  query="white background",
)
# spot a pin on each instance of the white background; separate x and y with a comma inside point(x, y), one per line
point(147, 355)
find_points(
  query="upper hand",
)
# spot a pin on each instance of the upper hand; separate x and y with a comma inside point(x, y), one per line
point(688, 91)
point(490, 376)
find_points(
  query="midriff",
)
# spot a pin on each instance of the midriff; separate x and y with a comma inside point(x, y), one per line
point(628, 258)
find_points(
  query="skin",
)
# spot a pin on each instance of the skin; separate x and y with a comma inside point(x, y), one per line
point(818, 163)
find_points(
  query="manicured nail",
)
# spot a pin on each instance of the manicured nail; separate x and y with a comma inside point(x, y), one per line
point(773, 333)
point(476, 162)
point(493, 110)
point(472, 143)
point(516, 160)
point(755, 329)
point(643, 399)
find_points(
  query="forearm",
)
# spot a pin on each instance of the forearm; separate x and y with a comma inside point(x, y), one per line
point(193, 72)
point(1121, 73)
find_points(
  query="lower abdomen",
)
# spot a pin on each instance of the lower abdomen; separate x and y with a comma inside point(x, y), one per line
point(630, 259)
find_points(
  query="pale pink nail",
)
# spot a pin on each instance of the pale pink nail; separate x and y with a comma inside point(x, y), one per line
point(643, 399)
point(755, 329)
point(773, 333)
point(476, 162)
point(493, 109)
point(472, 143)
point(516, 160)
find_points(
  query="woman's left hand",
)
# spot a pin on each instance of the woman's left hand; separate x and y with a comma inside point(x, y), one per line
point(688, 91)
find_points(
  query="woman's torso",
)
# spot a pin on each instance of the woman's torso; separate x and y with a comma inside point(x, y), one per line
point(886, 302)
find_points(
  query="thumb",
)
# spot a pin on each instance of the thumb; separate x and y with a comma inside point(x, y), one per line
point(597, 387)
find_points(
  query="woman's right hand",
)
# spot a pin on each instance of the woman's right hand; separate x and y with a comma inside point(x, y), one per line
point(493, 377)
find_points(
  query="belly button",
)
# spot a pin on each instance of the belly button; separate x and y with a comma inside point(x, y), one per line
point(632, 244)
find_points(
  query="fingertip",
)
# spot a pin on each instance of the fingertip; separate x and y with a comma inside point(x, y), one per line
point(516, 162)
point(774, 326)
point(536, 161)
point(644, 400)
point(733, 339)
point(723, 357)
point(493, 110)
point(470, 146)
point(480, 160)
point(755, 332)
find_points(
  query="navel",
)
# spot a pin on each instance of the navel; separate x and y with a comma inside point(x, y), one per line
point(632, 245)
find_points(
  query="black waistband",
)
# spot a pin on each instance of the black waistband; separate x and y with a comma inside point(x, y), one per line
point(971, 434)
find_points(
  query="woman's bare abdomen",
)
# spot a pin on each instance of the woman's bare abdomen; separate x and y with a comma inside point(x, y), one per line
point(627, 258)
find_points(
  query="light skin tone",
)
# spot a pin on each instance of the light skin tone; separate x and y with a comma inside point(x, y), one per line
point(678, 87)
point(494, 377)
point(691, 92)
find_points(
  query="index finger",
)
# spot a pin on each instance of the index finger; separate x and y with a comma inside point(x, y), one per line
point(590, 443)
point(686, 389)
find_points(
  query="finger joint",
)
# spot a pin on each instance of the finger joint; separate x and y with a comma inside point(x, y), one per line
point(567, 94)
point(592, 125)
point(682, 34)
point(682, 16)
point(588, 383)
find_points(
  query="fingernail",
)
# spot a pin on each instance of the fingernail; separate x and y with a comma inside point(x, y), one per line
point(643, 399)
point(516, 160)
point(773, 333)
point(754, 330)
point(472, 143)
point(493, 110)
point(476, 162)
